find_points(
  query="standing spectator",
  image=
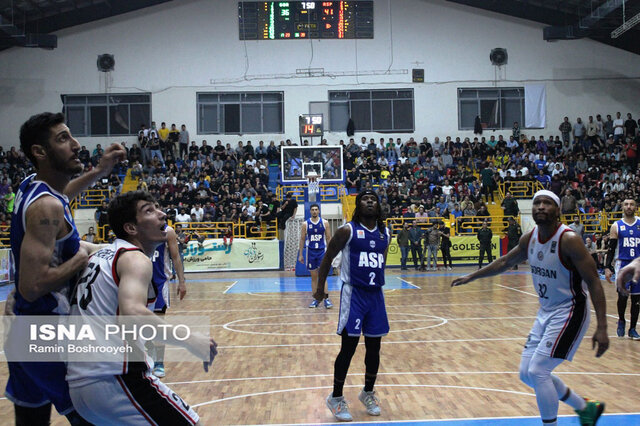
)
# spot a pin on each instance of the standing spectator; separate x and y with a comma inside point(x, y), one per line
point(445, 247)
point(565, 128)
point(484, 237)
point(515, 131)
point(183, 240)
point(577, 227)
point(568, 203)
point(618, 128)
point(288, 209)
point(163, 135)
point(102, 218)
point(510, 205)
point(592, 249)
point(630, 127)
point(578, 132)
point(403, 243)
point(143, 140)
point(415, 237)
point(183, 140)
point(431, 246)
point(172, 140)
point(487, 183)
point(514, 232)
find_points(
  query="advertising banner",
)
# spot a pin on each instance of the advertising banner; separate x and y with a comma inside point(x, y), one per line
point(214, 255)
point(465, 250)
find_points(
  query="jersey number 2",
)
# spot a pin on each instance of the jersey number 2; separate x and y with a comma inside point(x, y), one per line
point(372, 278)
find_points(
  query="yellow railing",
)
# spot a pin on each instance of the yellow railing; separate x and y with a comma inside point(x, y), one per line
point(91, 198)
point(469, 225)
point(348, 205)
point(329, 193)
point(249, 230)
point(395, 223)
point(519, 188)
point(4, 236)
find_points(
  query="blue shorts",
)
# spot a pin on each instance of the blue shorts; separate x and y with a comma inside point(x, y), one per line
point(362, 311)
point(632, 286)
point(162, 298)
point(314, 258)
point(34, 384)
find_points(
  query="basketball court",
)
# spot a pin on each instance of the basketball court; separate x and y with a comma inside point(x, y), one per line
point(451, 358)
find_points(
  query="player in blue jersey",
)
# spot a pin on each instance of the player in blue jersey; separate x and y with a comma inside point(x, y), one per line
point(163, 257)
point(624, 246)
point(48, 253)
point(314, 237)
point(363, 243)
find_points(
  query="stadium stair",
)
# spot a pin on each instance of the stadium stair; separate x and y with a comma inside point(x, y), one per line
point(348, 206)
point(495, 210)
point(274, 171)
point(130, 183)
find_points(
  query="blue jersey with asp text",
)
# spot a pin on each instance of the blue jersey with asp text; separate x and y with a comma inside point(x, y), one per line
point(315, 234)
point(628, 240)
point(56, 302)
point(363, 256)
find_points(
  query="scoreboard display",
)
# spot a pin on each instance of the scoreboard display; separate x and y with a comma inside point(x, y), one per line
point(311, 125)
point(278, 20)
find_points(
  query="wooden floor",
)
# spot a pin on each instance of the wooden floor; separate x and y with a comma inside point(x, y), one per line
point(451, 353)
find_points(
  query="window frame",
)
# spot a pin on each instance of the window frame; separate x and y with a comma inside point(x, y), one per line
point(483, 94)
point(107, 101)
point(240, 99)
point(372, 96)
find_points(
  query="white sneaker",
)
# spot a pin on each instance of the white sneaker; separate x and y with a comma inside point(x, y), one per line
point(339, 408)
point(370, 401)
point(449, 268)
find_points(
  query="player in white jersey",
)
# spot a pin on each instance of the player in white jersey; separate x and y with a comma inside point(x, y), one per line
point(624, 246)
point(560, 267)
point(118, 281)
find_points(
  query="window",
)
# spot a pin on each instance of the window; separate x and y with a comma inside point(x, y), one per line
point(372, 110)
point(107, 115)
point(240, 113)
point(497, 108)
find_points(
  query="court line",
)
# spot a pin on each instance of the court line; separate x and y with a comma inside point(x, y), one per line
point(230, 398)
point(395, 374)
point(384, 342)
point(229, 288)
point(410, 283)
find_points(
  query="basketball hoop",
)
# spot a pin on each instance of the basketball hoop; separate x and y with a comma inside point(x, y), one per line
point(313, 185)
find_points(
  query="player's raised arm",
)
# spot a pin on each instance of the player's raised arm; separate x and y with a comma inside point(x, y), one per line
point(517, 255)
point(336, 244)
point(44, 223)
point(573, 248)
point(112, 155)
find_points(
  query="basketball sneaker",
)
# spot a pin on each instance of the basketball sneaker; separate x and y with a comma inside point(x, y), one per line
point(620, 330)
point(633, 334)
point(314, 304)
point(158, 370)
point(327, 303)
point(370, 401)
point(339, 408)
point(591, 413)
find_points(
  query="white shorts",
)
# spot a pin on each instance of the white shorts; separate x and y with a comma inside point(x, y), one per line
point(558, 333)
point(137, 398)
point(335, 263)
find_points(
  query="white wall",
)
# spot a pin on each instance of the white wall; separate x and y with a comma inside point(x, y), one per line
point(177, 49)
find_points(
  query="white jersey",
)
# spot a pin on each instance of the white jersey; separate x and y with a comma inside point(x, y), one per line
point(558, 284)
point(96, 294)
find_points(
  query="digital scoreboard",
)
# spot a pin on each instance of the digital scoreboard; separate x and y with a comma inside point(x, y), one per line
point(311, 125)
point(276, 20)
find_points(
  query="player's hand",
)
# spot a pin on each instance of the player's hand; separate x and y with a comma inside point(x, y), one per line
point(182, 290)
point(600, 337)
point(460, 281)
point(608, 274)
point(213, 351)
point(112, 156)
point(630, 272)
point(301, 259)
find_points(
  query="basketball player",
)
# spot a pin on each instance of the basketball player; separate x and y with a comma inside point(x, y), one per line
point(560, 266)
point(624, 246)
point(630, 273)
point(48, 253)
point(162, 259)
point(314, 236)
point(118, 281)
point(363, 243)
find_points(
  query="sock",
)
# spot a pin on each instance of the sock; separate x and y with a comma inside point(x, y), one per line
point(570, 398)
point(553, 422)
point(635, 309)
point(622, 306)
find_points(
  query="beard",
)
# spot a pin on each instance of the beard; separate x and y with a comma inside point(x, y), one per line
point(543, 219)
point(64, 165)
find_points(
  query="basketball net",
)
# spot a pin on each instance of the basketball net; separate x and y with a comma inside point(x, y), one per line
point(313, 187)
